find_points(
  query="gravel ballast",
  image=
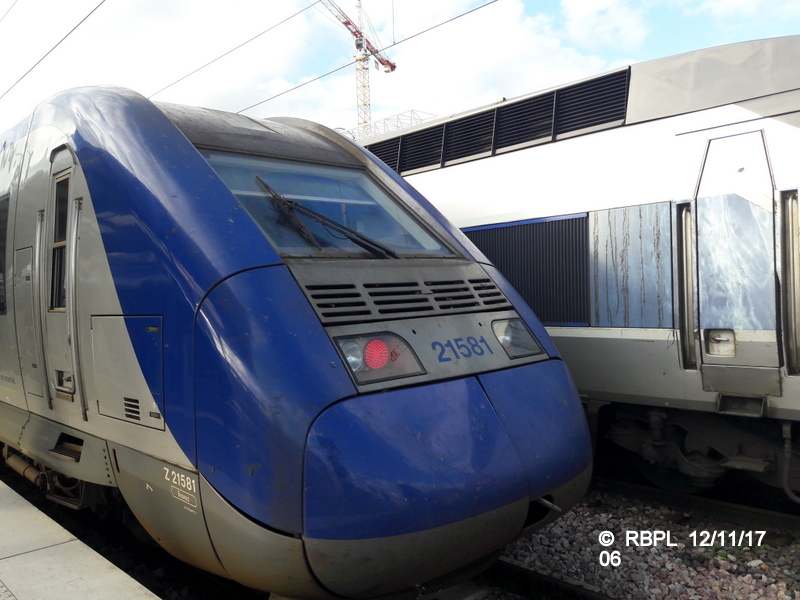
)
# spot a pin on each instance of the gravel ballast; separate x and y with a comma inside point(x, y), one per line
point(697, 560)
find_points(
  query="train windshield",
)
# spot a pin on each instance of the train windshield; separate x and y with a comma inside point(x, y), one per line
point(323, 211)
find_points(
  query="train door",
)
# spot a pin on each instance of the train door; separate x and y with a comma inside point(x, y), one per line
point(9, 372)
point(56, 240)
point(790, 244)
point(28, 334)
point(736, 288)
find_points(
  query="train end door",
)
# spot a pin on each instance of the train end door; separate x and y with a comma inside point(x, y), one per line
point(736, 283)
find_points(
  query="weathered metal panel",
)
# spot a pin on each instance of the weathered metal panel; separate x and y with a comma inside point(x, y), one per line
point(631, 267)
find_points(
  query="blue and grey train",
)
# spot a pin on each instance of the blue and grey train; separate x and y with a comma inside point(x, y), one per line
point(288, 365)
point(650, 217)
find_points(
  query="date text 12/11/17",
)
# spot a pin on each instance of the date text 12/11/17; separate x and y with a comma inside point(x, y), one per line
point(727, 538)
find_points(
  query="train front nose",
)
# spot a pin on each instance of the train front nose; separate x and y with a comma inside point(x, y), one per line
point(406, 486)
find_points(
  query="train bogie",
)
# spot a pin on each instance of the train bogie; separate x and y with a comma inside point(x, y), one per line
point(292, 369)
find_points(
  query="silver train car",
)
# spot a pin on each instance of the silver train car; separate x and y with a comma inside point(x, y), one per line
point(650, 217)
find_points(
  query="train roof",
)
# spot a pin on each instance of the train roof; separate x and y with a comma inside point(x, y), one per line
point(637, 93)
point(286, 138)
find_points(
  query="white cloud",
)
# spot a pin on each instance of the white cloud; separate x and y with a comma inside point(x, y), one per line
point(146, 45)
point(725, 10)
point(495, 52)
point(596, 24)
point(506, 49)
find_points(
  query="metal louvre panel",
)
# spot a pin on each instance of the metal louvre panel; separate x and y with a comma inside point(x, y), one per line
point(373, 301)
point(547, 262)
point(599, 101)
point(592, 103)
point(469, 136)
point(371, 295)
point(388, 151)
point(421, 149)
point(524, 121)
point(132, 408)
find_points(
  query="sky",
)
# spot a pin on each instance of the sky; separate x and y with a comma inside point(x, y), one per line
point(300, 60)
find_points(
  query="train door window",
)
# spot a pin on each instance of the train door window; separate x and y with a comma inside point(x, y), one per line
point(58, 279)
point(3, 239)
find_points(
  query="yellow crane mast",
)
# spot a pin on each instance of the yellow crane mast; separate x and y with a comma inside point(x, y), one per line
point(364, 51)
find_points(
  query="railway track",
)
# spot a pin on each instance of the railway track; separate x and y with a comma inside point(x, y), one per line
point(634, 543)
point(517, 580)
point(743, 515)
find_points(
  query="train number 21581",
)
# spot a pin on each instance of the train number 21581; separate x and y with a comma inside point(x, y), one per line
point(180, 480)
point(459, 348)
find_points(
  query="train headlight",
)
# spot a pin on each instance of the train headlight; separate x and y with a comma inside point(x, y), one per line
point(378, 356)
point(353, 354)
point(516, 339)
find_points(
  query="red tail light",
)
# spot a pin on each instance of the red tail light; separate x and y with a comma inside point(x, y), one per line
point(378, 356)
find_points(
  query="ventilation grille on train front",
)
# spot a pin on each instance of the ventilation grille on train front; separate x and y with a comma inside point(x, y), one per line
point(386, 300)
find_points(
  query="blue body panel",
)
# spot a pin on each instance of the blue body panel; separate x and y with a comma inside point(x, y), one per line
point(408, 460)
point(419, 458)
point(171, 229)
point(264, 370)
point(540, 410)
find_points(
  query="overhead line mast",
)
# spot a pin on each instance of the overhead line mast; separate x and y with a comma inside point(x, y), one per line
point(364, 50)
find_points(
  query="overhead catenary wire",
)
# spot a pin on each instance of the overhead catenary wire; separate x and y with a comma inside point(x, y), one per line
point(71, 31)
point(171, 84)
point(221, 56)
point(5, 14)
point(419, 33)
point(85, 18)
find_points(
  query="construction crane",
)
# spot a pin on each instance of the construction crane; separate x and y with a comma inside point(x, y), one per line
point(364, 50)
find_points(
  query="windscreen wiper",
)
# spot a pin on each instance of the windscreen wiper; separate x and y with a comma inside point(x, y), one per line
point(285, 207)
point(290, 207)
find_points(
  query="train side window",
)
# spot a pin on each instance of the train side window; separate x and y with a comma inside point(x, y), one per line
point(58, 279)
point(3, 239)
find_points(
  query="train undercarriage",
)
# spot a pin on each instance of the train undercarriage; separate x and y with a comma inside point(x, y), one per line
point(104, 501)
point(690, 451)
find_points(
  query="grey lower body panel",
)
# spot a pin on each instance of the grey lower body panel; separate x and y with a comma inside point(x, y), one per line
point(43, 440)
point(254, 555)
point(190, 519)
point(374, 567)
